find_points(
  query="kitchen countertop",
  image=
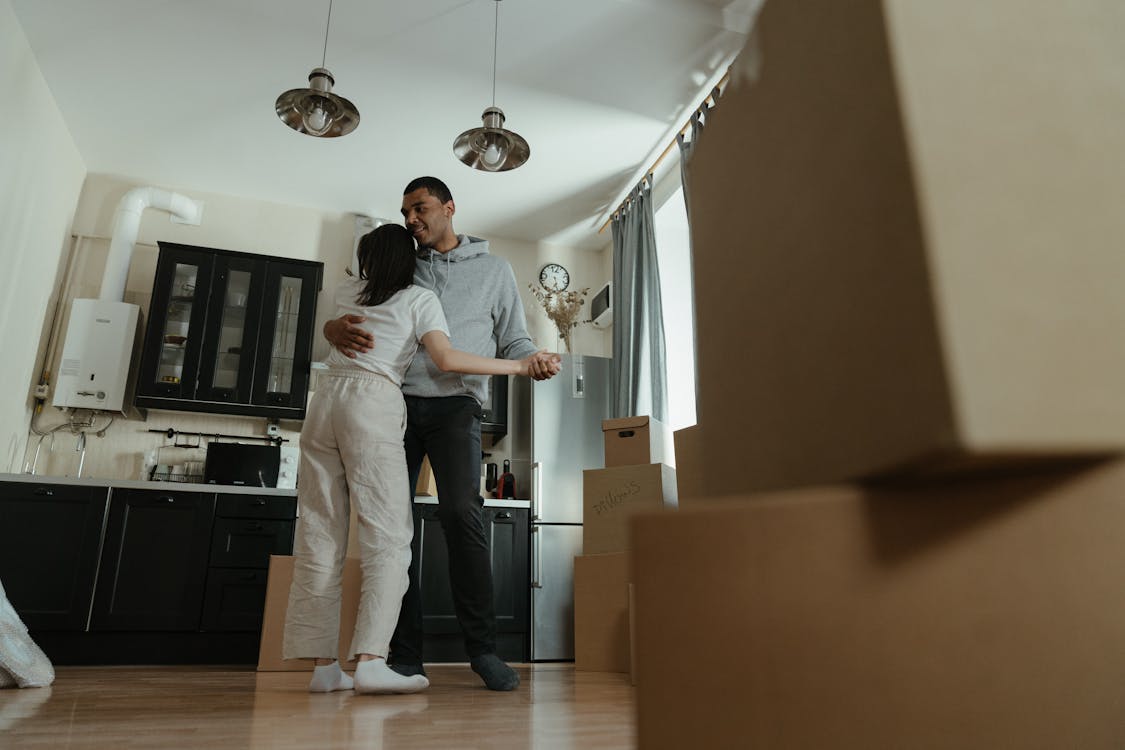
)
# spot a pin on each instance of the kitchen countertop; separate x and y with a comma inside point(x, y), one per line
point(489, 502)
point(140, 484)
point(225, 489)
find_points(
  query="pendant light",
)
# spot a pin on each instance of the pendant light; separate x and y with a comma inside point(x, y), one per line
point(316, 111)
point(492, 148)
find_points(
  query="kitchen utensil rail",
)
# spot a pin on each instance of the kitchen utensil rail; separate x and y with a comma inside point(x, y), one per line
point(172, 432)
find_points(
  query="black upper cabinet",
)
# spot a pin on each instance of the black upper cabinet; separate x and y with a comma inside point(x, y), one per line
point(229, 333)
point(494, 411)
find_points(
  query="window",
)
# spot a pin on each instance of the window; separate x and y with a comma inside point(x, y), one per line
point(673, 246)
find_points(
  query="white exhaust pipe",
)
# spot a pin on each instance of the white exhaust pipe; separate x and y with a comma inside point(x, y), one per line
point(126, 226)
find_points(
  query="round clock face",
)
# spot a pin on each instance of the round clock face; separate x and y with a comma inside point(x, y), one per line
point(554, 277)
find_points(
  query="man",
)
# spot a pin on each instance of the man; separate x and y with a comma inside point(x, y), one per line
point(485, 315)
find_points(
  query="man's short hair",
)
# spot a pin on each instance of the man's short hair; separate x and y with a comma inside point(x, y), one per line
point(433, 186)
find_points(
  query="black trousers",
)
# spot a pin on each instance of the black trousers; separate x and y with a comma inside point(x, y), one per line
point(448, 431)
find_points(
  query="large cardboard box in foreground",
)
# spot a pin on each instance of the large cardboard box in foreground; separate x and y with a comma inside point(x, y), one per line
point(601, 613)
point(978, 614)
point(610, 496)
point(916, 238)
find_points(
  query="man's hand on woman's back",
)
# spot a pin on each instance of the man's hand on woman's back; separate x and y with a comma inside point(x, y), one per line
point(347, 337)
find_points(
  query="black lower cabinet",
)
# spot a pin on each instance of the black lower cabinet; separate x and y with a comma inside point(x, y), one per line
point(507, 533)
point(130, 576)
point(49, 539)
point(154, 562)
point(248, 529)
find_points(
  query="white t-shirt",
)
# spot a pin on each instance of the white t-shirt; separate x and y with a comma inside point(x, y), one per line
point(398, 326)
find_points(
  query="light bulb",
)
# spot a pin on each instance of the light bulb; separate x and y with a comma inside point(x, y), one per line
point(316, 120)
point(495, 155)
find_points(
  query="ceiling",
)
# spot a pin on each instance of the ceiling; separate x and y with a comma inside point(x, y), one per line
point(180, 93)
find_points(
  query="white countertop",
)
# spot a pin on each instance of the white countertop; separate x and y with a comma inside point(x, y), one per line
point(140, 484)
point(489, 502)
point(225, 489)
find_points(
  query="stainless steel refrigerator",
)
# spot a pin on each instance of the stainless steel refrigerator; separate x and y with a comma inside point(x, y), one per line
point(566, 438)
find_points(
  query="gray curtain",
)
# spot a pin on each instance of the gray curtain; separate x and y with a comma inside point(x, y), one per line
point(639, 360)
point(687, 145)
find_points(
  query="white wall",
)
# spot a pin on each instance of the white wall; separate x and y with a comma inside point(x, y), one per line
point(247, 225)
point(41, 174)
point(587, 270)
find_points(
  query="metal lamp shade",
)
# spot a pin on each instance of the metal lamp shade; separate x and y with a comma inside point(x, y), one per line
point(491, 148)
point(316, 111)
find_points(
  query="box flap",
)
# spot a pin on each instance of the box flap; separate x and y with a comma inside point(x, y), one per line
point(624, 423)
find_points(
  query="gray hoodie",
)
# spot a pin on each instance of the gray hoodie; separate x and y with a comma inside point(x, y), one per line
point(484, 312)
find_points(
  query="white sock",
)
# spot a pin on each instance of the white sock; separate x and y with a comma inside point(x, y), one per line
point(374, 676)
point(329, 677)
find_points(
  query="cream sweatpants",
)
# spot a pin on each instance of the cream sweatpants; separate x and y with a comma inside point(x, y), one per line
point(351, 453)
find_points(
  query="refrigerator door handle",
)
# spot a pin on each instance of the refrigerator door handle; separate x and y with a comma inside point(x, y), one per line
point(536, 559)
point(536, 488)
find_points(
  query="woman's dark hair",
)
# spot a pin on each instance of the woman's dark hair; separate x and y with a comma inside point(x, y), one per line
point(386, 261)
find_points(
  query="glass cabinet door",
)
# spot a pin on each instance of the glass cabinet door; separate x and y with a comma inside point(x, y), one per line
point(284, 344)
point(176, 320)
point(227, 368)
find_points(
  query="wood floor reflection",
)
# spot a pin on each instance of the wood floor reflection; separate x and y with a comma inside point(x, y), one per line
point(232, 707)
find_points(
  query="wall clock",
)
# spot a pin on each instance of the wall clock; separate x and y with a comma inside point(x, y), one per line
point(554, 277)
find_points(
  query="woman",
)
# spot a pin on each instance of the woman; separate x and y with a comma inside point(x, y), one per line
point(351, 451)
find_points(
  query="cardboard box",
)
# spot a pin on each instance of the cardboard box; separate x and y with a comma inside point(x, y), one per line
point(919, 271)
point(690, 473)
point(637, 440)
point(960, 615)
point(427, 485)
point(277, 601)
point(632, 636)
point(601, 616)
point(610, 496)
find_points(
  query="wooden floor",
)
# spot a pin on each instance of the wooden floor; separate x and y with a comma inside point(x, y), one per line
point(215, 708)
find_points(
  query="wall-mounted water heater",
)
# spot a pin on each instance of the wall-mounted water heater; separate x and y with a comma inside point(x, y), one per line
point(103, 335)
point(601, 307)
point(101, 341)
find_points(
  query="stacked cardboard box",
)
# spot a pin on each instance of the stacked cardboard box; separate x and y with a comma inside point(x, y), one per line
point(637, 478)
point(911, 236)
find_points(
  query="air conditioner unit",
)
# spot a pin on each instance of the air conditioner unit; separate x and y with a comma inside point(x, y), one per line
point(363, 225)
point(601, 309)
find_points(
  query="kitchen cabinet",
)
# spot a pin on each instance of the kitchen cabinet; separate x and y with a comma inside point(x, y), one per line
point(494, 411)
point(49, 541)
point(506, 530)
point(137, 574)
point(154, 561)
point(229, 333)
point(248, 529)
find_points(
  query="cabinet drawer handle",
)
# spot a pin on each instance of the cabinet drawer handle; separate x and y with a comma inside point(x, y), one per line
point(503, 515)
point(44, 491)
point(254, 526)
point(260, 501)
point(165, 499)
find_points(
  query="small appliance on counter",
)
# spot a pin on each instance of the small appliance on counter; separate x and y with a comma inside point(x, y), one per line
point(242, 464)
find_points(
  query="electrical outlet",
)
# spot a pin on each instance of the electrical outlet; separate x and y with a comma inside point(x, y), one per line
point(272, 429)
point(43, 391)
